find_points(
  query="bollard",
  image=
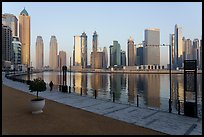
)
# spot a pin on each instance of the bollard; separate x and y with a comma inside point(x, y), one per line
point(69, 89)
point(137, 100)
point(179, 107)
point(170, 109)
point(113, 96)
point(81, 91)
point(95, 93)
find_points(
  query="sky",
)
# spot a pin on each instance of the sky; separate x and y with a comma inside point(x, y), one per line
point(111, 20)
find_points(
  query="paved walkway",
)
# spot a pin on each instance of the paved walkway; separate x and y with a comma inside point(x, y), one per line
point(161, 121)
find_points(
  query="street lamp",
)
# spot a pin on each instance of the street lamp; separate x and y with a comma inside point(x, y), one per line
point(70, 72)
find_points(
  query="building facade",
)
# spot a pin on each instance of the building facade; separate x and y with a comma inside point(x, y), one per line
point(11, 21)
point(7, 48)
point(196, 50)
point(123, 58)
point(17, 51)
point(151, 50)
point(106, 57)
point(84, 50)
point(178, 51)
point(62, 58)
point(24, 35)
point(131, 52)
point(39, 53)
point(139, 57)
point(53, 60)
point(94, 49)
point(172, 45)
point(115, 54)
point(77, 51)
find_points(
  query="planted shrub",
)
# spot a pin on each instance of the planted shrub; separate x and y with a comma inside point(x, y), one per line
point(37, 85)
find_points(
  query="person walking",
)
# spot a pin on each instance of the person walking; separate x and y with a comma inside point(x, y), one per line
point(51, 85)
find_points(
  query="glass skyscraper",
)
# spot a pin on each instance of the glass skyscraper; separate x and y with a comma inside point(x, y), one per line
point(178, 51)
point(17, 51)
point(131, 52)
point(84, 50)
point(77, 51)
point(115, 54)
point(151, 50)
point(11, 21)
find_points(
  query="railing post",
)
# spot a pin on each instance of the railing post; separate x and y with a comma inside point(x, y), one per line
point(170, 109)
point(113, 96)
point(137, 100)
point(69, 89)
point(81, 92)
point(95, 93)
point(179, 107)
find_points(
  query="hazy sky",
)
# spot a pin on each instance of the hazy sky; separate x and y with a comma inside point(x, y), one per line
point(112, 21)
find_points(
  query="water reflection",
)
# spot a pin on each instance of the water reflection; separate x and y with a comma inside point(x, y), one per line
point(153, 89)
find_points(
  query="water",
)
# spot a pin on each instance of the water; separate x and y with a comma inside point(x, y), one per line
point(153, 90)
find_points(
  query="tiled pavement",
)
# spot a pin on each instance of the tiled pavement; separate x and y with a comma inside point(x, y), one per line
point(162, 121)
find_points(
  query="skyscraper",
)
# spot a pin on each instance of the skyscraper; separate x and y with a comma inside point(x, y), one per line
point(24, 35)
point(131, 52)
point(62, 58)
point(77, 51)
point(7, 48)
point(172, 45)
point(94, 48)
point(151, 54)
point(106, 57)
point(39, 53)
point(196, 50)
point(178, 60)
point(11, 21)
point(84, 50)
point(53, 53)
point(188, 49)
point(123, 58)
point(139, 54)
point(17, 51)
point(115, 54)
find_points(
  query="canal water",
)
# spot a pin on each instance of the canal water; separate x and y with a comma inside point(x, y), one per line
point(153, 90)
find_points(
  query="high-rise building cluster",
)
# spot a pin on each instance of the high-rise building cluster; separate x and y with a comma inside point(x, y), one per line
point(98, 59)
point(16, 48)
point(184, 49)
point(16, 43)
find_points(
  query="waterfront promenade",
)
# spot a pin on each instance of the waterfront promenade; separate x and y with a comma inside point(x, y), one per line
point(82, 116)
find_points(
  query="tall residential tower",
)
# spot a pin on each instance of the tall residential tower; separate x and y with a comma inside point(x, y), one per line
point(24, 35)
point(53, 53)
point(39, 53)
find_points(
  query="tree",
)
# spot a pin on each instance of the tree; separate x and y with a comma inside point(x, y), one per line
point(38, 85)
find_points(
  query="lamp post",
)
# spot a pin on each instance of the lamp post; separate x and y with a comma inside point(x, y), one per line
point(170, 109)
point(70, 72)
point(60, 86)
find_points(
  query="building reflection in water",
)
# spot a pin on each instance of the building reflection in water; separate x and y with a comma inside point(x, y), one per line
point(77, 81)
point(99, 82)
point(127, 86)
point(132, 88)
point(115, 85)
point(152, 90)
